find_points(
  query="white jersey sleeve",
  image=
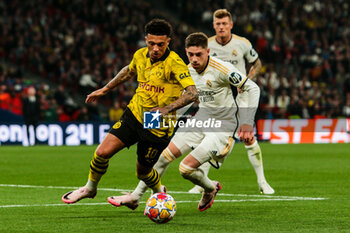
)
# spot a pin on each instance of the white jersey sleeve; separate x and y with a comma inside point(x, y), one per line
point(247, 113)
point(251, 90)
point(250, 54)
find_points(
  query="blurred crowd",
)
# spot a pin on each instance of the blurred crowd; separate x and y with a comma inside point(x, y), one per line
point(55, 103)
point(81, 44)
point(304, 47)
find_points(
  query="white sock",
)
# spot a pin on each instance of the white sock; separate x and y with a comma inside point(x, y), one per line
point(163, 162)
point(255, 158)
point(91, 185)
point(197, 177)
point(205, 168)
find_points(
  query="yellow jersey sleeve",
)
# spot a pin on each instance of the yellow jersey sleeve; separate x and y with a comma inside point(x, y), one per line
point(181, 72)
point(132, 65)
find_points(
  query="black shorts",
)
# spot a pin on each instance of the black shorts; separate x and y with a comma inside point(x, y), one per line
point(130, 131)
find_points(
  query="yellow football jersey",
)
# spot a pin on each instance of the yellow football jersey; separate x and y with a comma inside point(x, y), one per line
point(159, 84)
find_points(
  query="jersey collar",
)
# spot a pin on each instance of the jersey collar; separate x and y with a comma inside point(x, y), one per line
point(206, 66)
point(166, 54)
point(225, 43)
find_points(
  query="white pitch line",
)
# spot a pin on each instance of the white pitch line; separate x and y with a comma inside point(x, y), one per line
point(44, 205)
point(58, 187)
point(142, 202)
point(177, 192)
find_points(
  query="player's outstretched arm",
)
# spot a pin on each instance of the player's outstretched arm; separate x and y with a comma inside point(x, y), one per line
point(247, 114)
point(188, 97)
point(123, 75)
point(254, 69)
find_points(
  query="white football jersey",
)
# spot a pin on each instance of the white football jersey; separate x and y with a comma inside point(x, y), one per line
point(214, 88)
point(235, 51)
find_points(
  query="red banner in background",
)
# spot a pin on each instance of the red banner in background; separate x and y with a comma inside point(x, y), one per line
point(304, 130)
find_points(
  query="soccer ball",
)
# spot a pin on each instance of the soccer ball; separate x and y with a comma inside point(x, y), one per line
point(160, 208)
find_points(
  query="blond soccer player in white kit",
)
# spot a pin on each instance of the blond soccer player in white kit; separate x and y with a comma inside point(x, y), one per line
point(237, 50)
point(213, 78)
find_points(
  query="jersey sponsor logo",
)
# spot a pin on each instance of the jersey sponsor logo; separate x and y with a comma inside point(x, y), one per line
point(252, 53)
point(234, 53)
point(206, 96)
point(205, 99)
point(151, 88)
point(184, 75)
point(204, 93)
point(235, 78)
point(151, 120)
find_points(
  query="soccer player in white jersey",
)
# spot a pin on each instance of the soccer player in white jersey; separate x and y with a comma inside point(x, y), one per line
point(237, 50)
point(213, 78)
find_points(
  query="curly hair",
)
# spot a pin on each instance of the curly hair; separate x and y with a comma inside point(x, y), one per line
point(159, 27)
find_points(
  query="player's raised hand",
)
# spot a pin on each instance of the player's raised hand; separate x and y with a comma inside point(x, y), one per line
point(93, 96)
point(246, 133)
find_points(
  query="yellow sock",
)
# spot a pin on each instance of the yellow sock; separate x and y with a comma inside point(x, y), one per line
point(152, 180)
point(98, 167)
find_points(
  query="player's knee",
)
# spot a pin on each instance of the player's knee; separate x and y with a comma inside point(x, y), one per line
point(167, 156)
point(103, 153)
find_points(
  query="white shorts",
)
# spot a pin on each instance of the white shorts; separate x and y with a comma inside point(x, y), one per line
point(205, 145)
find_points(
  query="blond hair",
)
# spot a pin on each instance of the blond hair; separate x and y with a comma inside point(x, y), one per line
point(222, 13)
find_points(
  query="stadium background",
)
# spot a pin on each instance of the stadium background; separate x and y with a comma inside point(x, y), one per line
point(68, 48)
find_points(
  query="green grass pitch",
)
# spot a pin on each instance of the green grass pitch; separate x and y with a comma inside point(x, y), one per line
point(311, 184)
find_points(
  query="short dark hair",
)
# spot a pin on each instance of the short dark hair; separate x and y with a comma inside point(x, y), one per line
point(197, 39)
point(159, 27)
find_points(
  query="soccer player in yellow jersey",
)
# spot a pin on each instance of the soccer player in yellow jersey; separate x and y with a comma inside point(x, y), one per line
point(162, 76)
point(238, 50)
point(213, 78)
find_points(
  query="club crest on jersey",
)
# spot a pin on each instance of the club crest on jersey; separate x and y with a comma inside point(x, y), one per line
point(159, 74)
point(235, 78)
point(117, 125)
point(234, 52)
point(209, 83)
